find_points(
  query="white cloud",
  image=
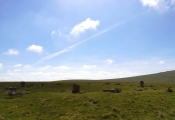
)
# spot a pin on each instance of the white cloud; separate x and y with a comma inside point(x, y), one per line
point(61, 33)
point(161, 62)
point(27, 66)
point(52, 68)
point(35, 48)
point(89, 66)
point(109, 61)
point(17, 70)
point(17, 65)
point(45, 67)
point(62, 67)
point(159, 5)
point(68, 34)
point(12, 52)
point(1, 66)
point(150, 3)
point(50, 73)
point(53, 32)
point(83, 26)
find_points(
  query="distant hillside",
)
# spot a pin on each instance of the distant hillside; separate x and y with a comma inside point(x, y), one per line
point(168, 76)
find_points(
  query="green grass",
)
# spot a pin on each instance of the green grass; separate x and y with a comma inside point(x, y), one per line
point(56, 102)
point(168, 76)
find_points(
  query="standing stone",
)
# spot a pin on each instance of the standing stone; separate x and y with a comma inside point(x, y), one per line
point(169, 90)
point(141, 84)
point(76, 88)
point(23, 84)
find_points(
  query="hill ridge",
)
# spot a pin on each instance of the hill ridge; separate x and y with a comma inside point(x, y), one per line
point(167, 76)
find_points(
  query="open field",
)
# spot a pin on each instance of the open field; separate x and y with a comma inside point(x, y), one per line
point(54, 101)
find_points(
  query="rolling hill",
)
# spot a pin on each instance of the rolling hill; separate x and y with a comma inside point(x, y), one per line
point(168, 76)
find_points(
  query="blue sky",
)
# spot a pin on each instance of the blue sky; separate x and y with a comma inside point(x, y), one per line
point(56, 40)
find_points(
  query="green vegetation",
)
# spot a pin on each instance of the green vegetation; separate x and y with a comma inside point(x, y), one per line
point(54, 101)
point(168, 76)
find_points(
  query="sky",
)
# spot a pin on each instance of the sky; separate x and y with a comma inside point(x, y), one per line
point(48, 40)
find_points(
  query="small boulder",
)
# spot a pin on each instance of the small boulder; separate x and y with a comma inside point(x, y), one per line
point(14, 93)
point(116, 90)
point(76, 88)
point(169, 90)
point(10, 88)
point(141, 84)
point(23, 84)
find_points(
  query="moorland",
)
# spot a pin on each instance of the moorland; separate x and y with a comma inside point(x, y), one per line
point(55, 100)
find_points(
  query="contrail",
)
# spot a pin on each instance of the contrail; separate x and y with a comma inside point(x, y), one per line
point(79, 43)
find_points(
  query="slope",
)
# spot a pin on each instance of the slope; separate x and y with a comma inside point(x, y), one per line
point(168, 76)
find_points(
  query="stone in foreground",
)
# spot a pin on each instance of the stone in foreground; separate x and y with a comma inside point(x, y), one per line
point(76, 88)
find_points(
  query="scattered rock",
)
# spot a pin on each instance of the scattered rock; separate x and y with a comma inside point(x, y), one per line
point(141, 84)
point(109, 90)
point(10, 88)
point(13, 93)
point(169, 90)
point(76, 88)
point(116, 90)
point(23, 84)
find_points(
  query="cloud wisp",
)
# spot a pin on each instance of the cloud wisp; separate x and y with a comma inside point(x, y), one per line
point(12, 52)
point(161, 62)
point(89, 66)
point(17, 65)
point(83, 41)
point(159, 5)
point(109, 61)
point(63, 67)
point(77, 44)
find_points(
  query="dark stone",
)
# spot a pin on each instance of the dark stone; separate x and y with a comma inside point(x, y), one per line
point(10, 88)
point(169, 90)
point(23, 84)
point(141, 84)
point(109, 90)
point(76, 88)
point(13, 93)
point(116, 90)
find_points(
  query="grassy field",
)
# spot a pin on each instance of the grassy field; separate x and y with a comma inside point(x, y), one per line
point(54, 101)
